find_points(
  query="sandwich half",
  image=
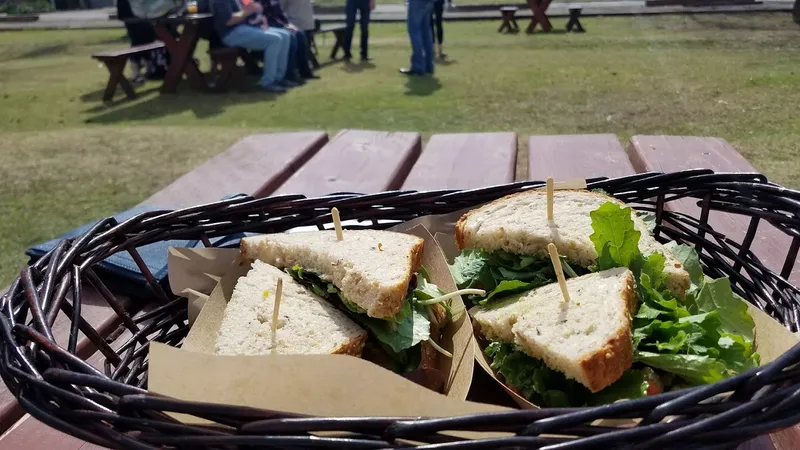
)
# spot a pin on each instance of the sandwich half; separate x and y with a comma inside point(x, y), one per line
point(375, 276)
point(307, 324)
point(587, 339)
point(511, 234)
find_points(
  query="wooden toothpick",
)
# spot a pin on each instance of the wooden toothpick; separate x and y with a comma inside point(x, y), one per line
point(562, 283)
point(337, 223)
point(275, 309)
point(550, 198)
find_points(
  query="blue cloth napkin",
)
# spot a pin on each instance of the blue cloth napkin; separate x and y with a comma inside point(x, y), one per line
point(119, 271)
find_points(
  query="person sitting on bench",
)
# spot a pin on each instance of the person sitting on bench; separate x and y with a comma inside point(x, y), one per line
point(233, 25)
point(298, 50)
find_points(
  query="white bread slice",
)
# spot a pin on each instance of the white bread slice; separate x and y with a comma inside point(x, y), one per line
point(307, 324)
point(372, 268)
point(518, 224)
point(588, 339)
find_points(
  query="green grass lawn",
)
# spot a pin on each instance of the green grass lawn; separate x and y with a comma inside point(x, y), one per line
point(65, 158)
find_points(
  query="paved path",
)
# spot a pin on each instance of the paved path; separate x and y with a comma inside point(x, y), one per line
point(98, 18)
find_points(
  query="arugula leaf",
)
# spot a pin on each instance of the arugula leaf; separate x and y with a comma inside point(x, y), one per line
point(717, 295)
point(467, 267)
point(407, 328)
point(502, 273)
point(547, 387)
point(414, 329)
point(649, 220)
point(614, 228)
point(506, 288)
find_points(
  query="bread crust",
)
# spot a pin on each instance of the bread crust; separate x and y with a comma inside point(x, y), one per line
point(390, 304)
point(353, 347)
point(604, 367)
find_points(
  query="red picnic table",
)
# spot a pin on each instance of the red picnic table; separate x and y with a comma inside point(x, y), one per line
point(539, 11)
point(180, 35)
point(373, 161)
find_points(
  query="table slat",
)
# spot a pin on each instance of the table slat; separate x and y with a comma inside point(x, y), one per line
point(566, 157)
point(674, 153)
point(255, 165)
point(357, 161)
point(465, 161)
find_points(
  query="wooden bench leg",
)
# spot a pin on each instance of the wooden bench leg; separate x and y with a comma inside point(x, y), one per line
point(116, 72)
point(504, 25)
point(312, 47)
point(339, 35)
point(574, 21)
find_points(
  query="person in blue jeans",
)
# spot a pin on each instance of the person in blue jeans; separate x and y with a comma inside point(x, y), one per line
point(363, 8)
point(299, 69)
point(246, 27)
point(420, 33)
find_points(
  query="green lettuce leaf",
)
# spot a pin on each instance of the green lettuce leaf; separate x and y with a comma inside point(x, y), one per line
point(702, 339)
point(549, 388)
point(613, 228)
point(689, 258)
point(717, 295)
point(695, 369)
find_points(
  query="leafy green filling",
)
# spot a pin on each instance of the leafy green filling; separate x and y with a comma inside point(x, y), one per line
point(549, 388)
point(706, 337)
point(397, 334)
point(502, 274)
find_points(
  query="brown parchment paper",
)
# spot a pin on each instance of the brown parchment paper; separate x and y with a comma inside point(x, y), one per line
point(196, 270)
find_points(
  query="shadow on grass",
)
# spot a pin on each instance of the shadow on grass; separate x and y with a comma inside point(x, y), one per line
point(422, 86)
point(39, 52)
point(446, 62)
point(713, 21)
point(153, 105)
point(119, 96)
point(358, 67)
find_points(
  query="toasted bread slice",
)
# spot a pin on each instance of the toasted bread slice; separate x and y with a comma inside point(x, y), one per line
point(372, 268)
point(588, 339)
point(307, 324)
point(518, 224)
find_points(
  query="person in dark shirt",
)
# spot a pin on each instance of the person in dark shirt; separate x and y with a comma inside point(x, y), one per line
point(233, 24)
point(363, 8)
point(298, 49)
point(438, 35)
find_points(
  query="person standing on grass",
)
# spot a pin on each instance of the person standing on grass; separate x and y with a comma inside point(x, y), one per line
point(233, 24)
point(420, 33)
point(437, 23)
point(298, 69)
point(363, 8)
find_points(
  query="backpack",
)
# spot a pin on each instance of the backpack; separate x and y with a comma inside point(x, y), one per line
point(154, 9)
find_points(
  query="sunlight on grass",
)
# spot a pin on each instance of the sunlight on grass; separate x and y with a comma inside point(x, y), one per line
point(65, 158)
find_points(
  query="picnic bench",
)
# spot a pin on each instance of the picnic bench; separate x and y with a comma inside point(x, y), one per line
point(338, 32)
point(509, 24)
point(115, 61)
point(373, 161)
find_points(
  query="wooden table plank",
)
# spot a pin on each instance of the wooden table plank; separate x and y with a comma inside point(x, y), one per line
point(357, 161)
point(465, 161)
point(567, 157)
point(255, 165)
point(674, 153)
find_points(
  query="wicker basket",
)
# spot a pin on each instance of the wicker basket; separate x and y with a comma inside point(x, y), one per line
point(113, 408)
